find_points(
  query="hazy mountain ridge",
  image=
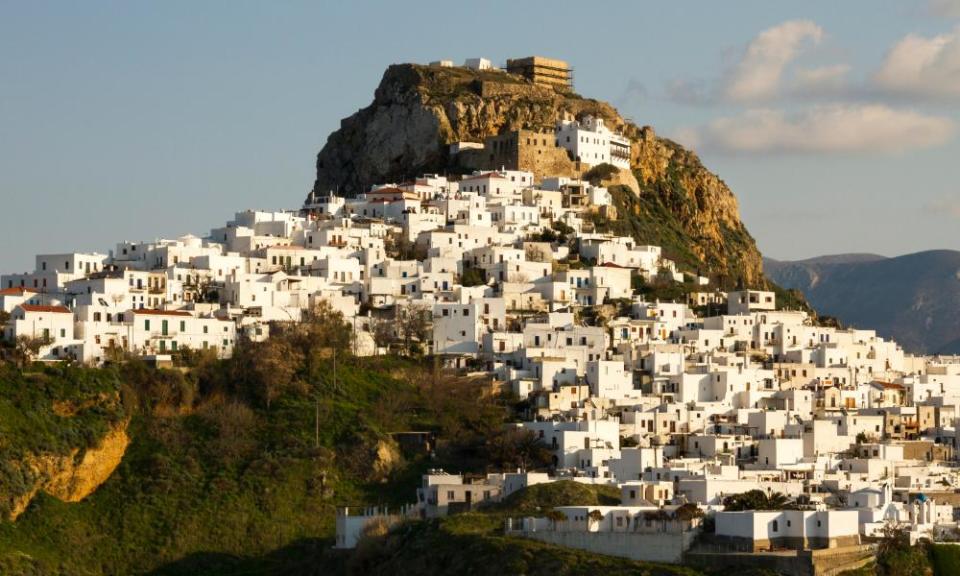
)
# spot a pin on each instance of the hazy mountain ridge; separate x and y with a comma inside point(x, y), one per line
point(914, 299)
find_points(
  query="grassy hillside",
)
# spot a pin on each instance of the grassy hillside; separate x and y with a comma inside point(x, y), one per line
point(214, 477)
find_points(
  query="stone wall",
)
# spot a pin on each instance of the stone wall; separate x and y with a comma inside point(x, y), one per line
point(829, 562)
point(667, 548)
point(529, 150)
point(737, 544)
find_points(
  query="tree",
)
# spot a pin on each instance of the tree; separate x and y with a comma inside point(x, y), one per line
point(271, 366)
point(414, 324)
point(895, 555)
point(321, 333)
point(756, 500)
point(383, 332)
point(687, 513)
point(472, 276)
point(26, 348)
point(535, 253)
point(600, 172)
point(555, 517)
point(659, 515)
point(594, 517)
point(398, 247)
point(518, 448)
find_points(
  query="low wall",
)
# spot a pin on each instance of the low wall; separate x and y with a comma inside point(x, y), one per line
point(827, 562)
point(666, 548)
point(790, 562)
point(833, 561)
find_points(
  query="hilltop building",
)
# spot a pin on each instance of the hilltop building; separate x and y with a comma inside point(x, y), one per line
point(544, 71)
point(590, 141)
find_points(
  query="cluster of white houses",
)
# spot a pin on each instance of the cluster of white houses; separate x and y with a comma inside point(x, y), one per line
point(669, 405)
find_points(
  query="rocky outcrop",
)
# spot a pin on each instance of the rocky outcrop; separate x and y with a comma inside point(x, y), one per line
point(386, 460)
point(705, 209)
point(418, 111)
point(74, 476)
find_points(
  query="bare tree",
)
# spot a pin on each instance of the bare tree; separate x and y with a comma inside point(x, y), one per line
point(383, 333)
point(535, 253)
point(413, 324)
point(26, 348)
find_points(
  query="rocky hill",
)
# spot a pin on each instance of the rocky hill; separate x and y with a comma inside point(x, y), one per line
point(418, 111)
point(914, 299)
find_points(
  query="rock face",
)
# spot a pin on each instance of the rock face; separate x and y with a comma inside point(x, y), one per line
point(418, 111)
point(74, 476)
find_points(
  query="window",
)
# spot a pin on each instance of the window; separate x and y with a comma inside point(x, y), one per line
point(776, 526)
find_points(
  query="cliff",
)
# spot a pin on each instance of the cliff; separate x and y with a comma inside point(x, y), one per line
point(418, 111)
point(74, 476)
point(63, 431)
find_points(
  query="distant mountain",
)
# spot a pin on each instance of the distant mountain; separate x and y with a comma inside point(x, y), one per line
point(914, 299)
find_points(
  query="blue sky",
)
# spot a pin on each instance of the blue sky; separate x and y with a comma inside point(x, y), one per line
point(834, 123)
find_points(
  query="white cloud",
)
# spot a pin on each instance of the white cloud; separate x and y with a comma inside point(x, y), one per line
point(921, 66)
point(759, 73)
point(822, 129)
point(945, 8)
point(819, 80)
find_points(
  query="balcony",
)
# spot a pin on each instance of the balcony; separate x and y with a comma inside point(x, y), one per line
point(164, 335)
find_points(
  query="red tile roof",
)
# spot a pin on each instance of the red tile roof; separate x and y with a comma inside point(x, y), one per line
point(17, 291)
point(890, 385)
point(485, 175)
point(152, 312)
point(55, 309)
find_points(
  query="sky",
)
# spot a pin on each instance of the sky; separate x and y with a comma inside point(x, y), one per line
point(834, 123)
